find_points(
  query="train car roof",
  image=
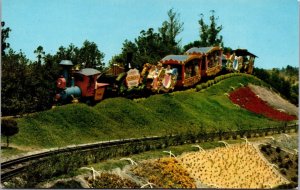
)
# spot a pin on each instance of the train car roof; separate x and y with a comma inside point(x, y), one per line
point(178, 59)
point(243, 52)
point(201, 50)
point(88, 72)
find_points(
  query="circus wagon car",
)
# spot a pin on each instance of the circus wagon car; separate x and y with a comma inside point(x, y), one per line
point(195, 64)
point(241, 61)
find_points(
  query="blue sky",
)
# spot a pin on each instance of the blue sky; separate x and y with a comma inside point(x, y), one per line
point(267, 28)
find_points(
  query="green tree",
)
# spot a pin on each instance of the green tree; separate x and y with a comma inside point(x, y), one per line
point(4, 35)
point(169, 31)
point(279, 83)
point(295, 94)
point(69, 53)
point(151, 46)
point(90, 55)
point(40, 53)
point(13, 83)
point(214, 39)
point(9, 128)
point(209, 33)
point(128, 48)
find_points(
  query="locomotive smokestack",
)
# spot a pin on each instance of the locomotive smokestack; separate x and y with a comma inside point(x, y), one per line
point(67, 65)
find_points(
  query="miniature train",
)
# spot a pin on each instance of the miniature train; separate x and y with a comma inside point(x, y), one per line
point(171, 72)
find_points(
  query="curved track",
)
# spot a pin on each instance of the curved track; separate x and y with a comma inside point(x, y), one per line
point(13, 167)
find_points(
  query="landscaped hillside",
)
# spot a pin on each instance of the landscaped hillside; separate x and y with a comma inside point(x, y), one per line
point(117, 118)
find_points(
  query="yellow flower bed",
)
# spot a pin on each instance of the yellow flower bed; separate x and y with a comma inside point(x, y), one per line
point(164, 173)
point(236, 166)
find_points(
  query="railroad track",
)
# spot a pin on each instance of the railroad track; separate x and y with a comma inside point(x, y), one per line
point(13, 167)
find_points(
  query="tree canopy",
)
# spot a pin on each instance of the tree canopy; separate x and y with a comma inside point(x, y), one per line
point(151, 46)
point(9, 128)
point(209, 33)
point(29, 86)
point(4, 35)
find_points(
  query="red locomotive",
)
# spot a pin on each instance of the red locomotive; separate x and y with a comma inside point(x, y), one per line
point(81, 84)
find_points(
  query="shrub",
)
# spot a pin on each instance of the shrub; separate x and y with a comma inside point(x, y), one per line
point(199, 87)
point(279, 159)
point(278, 149)
point(9, 128)
point(263, 148)
point(295, 179)
point(283, 171)
point(204, 85)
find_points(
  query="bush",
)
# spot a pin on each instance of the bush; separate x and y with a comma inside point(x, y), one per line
point(199, 87)
point(279, 159)
point(263, 148)
point(295, 179)
point(278, 149)
point(283, 171)
point(204, 85)
point(9, 128)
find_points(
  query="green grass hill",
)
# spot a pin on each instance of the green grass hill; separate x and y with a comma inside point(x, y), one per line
point(118, 118)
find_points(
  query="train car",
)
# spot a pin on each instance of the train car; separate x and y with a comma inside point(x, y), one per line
point(245, 60)
point(241, 60)
point(195, 64)
point(188, 68)
point(211, 62)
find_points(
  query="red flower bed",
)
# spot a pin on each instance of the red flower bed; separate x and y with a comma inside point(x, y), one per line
point(245, 98)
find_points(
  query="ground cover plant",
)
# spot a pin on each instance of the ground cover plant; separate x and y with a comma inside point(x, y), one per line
point(164, 173)
point(287, 163)
point(247, 99)
point(118, 171)
point(282, 152)
point(119, 118)
point(109, 180)
point(233, 166)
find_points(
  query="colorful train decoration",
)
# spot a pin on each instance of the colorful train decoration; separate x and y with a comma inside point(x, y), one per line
point(74, 85)
point(171, 72)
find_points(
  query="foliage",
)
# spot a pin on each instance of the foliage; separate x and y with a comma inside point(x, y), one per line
point(27, 87)
point(30, 86)
point(90, 55)
point(14, 75)
point(4, 35)
point(284, 81)
point(287, 163)
point(40, 54)
point(209, 33)
point(9, 128)
point(110, 181)
point(169, 31)
point(164, 173)
point(152, 46)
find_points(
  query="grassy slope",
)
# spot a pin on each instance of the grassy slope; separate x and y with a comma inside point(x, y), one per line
point(117, 118)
